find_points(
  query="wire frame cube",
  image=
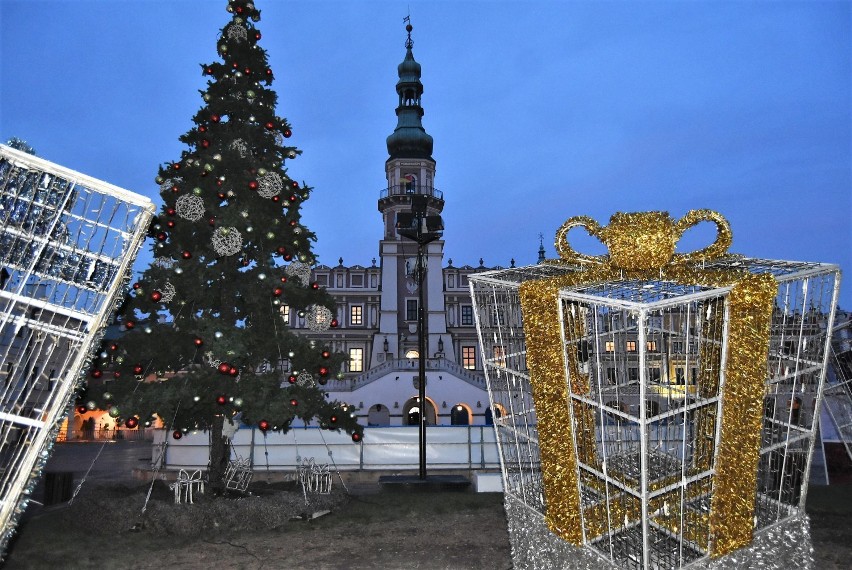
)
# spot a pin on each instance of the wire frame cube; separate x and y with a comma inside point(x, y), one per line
point(645, 363)
point(67, 243)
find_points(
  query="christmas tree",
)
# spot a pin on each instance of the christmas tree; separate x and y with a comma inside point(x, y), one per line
point(204, 340)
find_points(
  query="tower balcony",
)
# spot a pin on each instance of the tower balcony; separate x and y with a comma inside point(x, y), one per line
point(407, 190)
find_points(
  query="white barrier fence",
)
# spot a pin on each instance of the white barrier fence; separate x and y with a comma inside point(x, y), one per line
point(447, 447)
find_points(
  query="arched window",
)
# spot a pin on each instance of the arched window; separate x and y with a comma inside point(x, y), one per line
point(378, 415)
point(411, 412)
point(496, 413)
point(460, 415)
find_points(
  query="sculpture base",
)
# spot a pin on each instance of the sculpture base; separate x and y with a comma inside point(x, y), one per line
point(781, 547)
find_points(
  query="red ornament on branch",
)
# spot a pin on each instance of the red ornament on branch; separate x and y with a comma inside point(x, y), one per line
point(263, 425)
point(198, 341)
point(215, 118)
point(270, 125)
point(131, 422)
point(177, 434)
point(224, 368)
point(137, 369)
point(221, 400)
point(129, 324)
point(171, 211)
point(253, 185)
point(294, 402)
point(277, 291)
point(156, 296)
point(96, 373)
point(233, 371)
point(186, 254)
point(291, 379)
point(287, 134)
point(356, 437)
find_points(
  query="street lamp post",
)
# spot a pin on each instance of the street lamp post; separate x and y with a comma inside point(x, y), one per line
point(422, 229)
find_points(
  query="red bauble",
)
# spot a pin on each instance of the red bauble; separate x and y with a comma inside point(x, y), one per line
point(333, 419)
point(263, 425)
point(176, 166)
point(137, 285)
point(356, 437)
point(270, 125)
point(202, 129)
point(175, 189)
point(97, 373)
point(82, 410)
point(211, 221)
point(334, 323)
point(116, 374)
point(269, 72)
point(221, 195)
point(208, 71)
point(257, 36)
point(131, 423)
point(283, 278)
point(277, 291)
point(234, 371)
point(294, 402)
point(253, 185)
point(281, 250)
point(113, 347)
point(205, 143)
point(224, 367)
point(293, 223)
point(323, 371)
point(291, 379)
point(137, 369)
point(293, 197)
point(239, 10)
point(156, 296)
point(287, 133)
point(235, 65)
point(162, 236)
point(198, 341)
point(294, 184)
point(288, 257)
point(170, 223)
point(276, 198)
point(314, 286)
point(221, 400)
point(129, 325)
point(247, 71)
point(186, 254)
point(177, 434)
point(215, 118)
point(171, 211)
point(325, 354)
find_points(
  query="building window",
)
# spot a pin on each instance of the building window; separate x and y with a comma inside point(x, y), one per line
point(467, 315)
point(357, 280)
point(411, 309)
point(651, 345)
point(469, 357)
point(356, 360)
point(631, 346)
point(285, 313)
point(322, 280)
point(611, 375)
point(499, 356)
point(633, 374)
point(356, 315)
point(679, 375)
point(451, 281)
point(654, 374)
point(609, 346)
point(677, 346)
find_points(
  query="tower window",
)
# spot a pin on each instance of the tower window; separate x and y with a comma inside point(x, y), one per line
point(409, 183)
point(467, 315)
point(411, 309)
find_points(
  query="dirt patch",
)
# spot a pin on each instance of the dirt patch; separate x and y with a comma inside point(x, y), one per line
point(387, 530)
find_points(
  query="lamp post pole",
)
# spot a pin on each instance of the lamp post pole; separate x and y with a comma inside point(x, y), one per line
point(422, 229)
point(421, 351)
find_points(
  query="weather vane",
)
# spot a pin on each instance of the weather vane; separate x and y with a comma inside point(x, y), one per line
point(408, 27)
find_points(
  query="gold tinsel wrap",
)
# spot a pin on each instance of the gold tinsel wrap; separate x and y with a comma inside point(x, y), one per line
point(641, 246)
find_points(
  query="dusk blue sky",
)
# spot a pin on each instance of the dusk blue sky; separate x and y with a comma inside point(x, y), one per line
point(539, 110)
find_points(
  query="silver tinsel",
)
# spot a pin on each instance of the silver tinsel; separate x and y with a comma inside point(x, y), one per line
point(784, 546)
point(227, 241)
point(305, 379)
point(237, 33)
point(300, 271)
point(318, 318)
point(240, 146)
point(163, 262)
point(169, 182)
point(269, 185)
point(168, 292)
point(190, 207)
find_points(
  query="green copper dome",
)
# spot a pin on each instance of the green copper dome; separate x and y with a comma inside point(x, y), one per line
point(409, 139)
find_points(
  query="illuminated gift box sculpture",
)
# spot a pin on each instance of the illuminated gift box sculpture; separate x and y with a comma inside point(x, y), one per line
point(67, 242)
point(656, 410)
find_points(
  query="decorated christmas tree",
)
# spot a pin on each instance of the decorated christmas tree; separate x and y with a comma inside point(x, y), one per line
point(204, 341)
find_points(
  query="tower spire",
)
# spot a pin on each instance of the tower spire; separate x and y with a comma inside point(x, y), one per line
point(409, 139)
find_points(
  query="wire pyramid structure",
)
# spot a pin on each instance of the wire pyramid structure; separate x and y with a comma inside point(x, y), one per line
point(67, 244)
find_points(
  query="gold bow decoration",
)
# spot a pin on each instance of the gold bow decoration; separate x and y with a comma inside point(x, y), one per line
point(641, 246)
